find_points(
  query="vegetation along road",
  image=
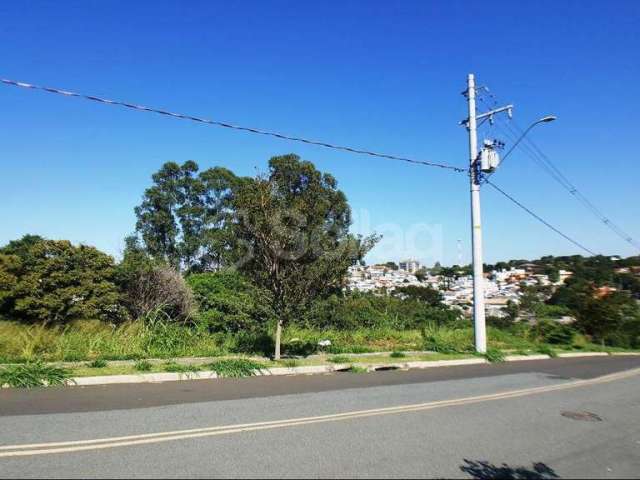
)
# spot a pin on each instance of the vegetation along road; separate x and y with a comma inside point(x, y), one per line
point(537, 419)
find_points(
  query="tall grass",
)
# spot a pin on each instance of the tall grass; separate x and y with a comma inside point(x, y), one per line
point(236, 367)
point(154, 336)
point(35, 374)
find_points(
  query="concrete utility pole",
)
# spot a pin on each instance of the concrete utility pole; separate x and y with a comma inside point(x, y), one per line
point(479, 165)
point(480, 329)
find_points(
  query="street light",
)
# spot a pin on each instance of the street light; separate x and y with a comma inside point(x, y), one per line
point(546, 119)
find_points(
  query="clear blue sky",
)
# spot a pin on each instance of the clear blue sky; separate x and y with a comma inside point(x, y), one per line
point(382, 75)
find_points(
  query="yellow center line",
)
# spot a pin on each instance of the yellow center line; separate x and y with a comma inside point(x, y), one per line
point(150, 438)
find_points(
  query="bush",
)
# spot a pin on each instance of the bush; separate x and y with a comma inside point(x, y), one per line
point(365, 310)
point(158, 287)
point(230, 303)
point(549, 331)
point(500, 322)
point(54, 281)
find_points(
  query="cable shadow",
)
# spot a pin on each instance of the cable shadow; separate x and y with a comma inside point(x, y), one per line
point(484, 470)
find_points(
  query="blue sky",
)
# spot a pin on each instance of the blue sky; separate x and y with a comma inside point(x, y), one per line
point(382, 75)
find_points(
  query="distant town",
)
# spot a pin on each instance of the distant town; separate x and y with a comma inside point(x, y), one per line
point(456, 283)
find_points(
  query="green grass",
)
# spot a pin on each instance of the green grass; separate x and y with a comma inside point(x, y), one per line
point(154, 338)
point(174, 367)
point(547, 350)
point(494, 355)
point(398, 355)
point(236, 367)
point(98, 363)
point(339, 359)
point(143, 366)
point(357, 369)
point(290, 362)
point(35, 374)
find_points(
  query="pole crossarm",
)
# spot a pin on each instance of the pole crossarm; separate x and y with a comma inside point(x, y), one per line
point(489, 115)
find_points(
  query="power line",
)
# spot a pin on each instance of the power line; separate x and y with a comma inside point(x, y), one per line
point(540, 219)
point(231, 126)
point(539, 157)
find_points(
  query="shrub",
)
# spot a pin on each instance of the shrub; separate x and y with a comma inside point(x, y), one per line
point(499, 322)
point(158, 287)
point(236, 367)
point(230, 303)
point(300, 348)
point(366, 310)
point(549, 331)
point(54, 281)
point(35, 374)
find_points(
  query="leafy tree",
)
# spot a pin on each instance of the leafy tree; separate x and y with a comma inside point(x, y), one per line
point(629, 282)
point(448, 274)
point(512, 310)
point(604, 317)
point(293, 230)
point(228, 302)
point(549, 331)
point(553, 273)
point(421, 274)
point(391, 265)
point(427, 295)
point(55, 281)
point(184, 217)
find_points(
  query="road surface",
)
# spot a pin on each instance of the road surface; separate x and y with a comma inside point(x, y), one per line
point(561, 418)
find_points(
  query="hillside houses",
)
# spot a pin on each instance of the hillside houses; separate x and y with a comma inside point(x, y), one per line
point(501, 286)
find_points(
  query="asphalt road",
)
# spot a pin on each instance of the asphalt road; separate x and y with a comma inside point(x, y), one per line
point(465, 422)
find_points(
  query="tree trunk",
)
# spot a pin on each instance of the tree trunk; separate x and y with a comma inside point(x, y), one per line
point(278, 338)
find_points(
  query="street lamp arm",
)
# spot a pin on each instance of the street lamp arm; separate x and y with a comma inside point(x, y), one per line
point(548, 118)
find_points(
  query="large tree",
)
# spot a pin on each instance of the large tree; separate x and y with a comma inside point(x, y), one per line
point(54, 281)
point(183, 217)
point(293, 229)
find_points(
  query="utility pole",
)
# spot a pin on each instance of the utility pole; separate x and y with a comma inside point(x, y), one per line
point(479, 326)
point(477, 168)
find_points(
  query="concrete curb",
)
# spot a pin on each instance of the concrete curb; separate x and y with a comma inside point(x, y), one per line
point(583, 354)
point(277, 371)
point(316, 369)
point(319, 369)
point(520, 358)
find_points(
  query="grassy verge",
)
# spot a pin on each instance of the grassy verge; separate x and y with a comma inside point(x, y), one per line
point(95, 346)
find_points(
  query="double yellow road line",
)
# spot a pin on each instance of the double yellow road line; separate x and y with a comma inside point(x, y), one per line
point(170, 436)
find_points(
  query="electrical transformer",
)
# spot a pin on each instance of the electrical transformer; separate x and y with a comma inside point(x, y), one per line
point(489, 159)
